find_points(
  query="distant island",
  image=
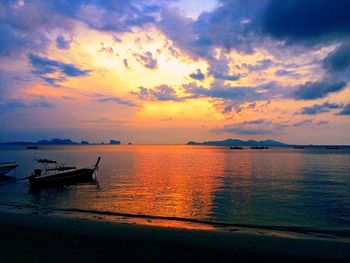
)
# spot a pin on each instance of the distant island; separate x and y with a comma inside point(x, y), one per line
point(58, 141)
point(237, 142)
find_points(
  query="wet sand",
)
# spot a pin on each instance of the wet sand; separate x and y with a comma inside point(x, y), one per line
point(37, 238)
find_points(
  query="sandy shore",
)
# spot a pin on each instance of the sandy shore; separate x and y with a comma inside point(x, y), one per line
point(33, 238)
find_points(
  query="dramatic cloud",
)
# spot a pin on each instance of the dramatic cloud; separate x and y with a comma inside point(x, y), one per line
point(297, 20)
point(224, 92)
point(147, 60)
point(345, 110)
point(43, 67)
point(320, 108)
point(161, 93)
point(198, 75)
point(244, 58)
point(319, 89)
point(26, 25)
point(339, 60)
point(232, 97)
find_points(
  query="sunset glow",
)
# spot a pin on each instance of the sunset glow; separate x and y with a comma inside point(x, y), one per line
point(170, 72)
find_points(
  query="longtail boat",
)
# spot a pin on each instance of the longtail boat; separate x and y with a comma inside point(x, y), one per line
point(7, 167)
point(60, 175)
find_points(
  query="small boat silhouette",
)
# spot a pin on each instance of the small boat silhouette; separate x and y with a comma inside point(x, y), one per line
point(236, 148)
point(7, 167)
point(60, 175)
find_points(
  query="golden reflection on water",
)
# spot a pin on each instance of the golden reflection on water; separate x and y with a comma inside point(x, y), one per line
point(277, 186)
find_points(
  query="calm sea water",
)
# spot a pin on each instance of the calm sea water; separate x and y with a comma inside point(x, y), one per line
point(274, 187)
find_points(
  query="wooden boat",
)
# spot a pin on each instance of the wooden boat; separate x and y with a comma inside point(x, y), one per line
point(7, 167)
point(63, 176)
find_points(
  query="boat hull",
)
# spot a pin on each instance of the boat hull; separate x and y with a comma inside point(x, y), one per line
point(7, 167)
point(62, 179)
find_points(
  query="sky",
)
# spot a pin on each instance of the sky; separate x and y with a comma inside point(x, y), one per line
point(173, 71)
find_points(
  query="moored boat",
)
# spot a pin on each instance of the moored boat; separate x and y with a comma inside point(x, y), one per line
point(32, 147)
point(61, 175)
point(299, 147)
point(7, 167)
point(236, 148)
point(259, 147)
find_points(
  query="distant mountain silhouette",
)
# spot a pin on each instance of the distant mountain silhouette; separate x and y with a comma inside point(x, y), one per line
point(57, 141)
point(237, 142)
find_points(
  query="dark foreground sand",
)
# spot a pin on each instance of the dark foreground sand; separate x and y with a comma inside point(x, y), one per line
point(30, 238)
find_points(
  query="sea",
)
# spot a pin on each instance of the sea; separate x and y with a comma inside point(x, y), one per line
point(277, 190)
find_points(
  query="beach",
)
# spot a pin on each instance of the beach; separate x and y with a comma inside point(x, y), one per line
point(38, 238)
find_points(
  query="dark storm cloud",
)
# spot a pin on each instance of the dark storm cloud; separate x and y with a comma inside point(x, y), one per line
point(320, 108)
point(314, 20)
point(339, 59)
point(198, 75)
point(43, 66)
point(319, 89)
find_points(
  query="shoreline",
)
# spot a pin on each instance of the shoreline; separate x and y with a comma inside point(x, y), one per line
point(26, 236)
point(296, 232)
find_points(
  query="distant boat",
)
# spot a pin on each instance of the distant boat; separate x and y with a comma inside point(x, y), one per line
point(236, 148)
point(60, 175)
point(259, 147)
point(332, 148)
point(32, 147)
point(7, 167)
